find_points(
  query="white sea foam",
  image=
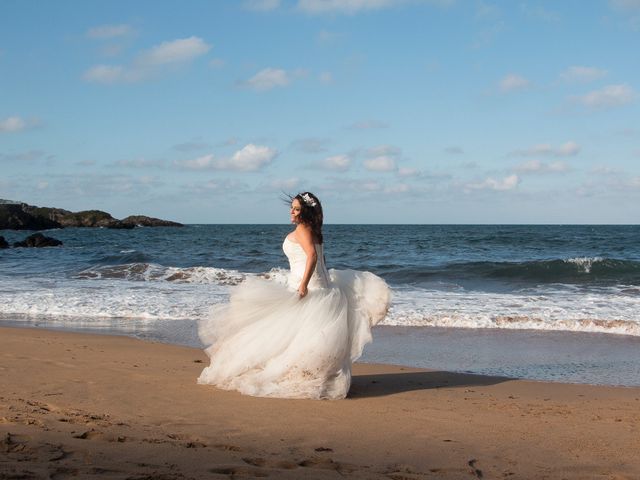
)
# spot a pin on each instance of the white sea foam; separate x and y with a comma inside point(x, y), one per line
point(152, 272)
point(584, 263)
point(610, 310)
point(150, 292)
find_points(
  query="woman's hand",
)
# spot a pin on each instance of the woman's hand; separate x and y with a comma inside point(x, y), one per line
point(302, 290)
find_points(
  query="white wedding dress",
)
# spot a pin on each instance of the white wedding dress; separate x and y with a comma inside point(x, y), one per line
point(269, 342)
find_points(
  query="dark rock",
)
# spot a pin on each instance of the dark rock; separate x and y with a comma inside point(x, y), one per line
point(142, 221)
point(119, 224)
point(87, 218)
point(3, 243)
point(13, 216)
point(38, 240)
point(21, 216)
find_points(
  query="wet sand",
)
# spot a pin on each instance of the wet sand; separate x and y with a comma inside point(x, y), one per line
point(98, 406)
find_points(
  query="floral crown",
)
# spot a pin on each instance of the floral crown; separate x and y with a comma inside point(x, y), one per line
point(308, 200)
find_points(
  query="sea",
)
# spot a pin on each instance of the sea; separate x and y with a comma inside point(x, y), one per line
point(542, 302)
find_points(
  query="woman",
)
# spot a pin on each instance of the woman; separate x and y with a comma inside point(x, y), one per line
point(296, 340)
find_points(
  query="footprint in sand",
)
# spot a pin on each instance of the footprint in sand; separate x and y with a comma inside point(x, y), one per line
point(406, 472)
point(239, 471)
point(187, 440)
point(12, 443)
point(89, 435)
point(63, 473)
point(476, 471)
point(228, 448)
point(323, 449)
point(263, 462)
point(326, 464)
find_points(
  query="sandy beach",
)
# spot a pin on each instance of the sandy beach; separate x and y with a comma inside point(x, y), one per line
point(98, 406)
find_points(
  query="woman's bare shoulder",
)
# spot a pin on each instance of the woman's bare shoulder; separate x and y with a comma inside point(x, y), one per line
point(303, 233)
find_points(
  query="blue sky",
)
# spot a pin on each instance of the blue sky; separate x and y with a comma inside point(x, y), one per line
point(391, 111)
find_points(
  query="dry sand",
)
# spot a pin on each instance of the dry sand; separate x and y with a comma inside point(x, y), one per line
point(97, 406)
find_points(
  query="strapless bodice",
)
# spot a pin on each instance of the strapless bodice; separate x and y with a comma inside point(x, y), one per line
point(297, 262)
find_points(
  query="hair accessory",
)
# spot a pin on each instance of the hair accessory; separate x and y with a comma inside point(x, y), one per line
point(308, 200)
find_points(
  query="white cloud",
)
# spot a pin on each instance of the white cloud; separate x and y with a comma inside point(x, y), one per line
point(106, 74)
point(150, 62)
point(567, 149)
point(600, 170)
point(383, 150)
point(382, 158)
point(12, 124)
point(93, 185)
point(28, 156)
point(112, 50)
point(175, 51)
point(576, 74)
point(261, 5)
point(109, 31)
point(536, 166)
point(607, 97)
point(382, 163)
point(249, 158)
point(86, 163)
point(268, 79)
point(315, 7)
point(204, 162)
point(408, 172)
point(397, 188)
point(340, 163)
point(513, 82)
point(342, 6)
point(634, 182)
point(507, 183)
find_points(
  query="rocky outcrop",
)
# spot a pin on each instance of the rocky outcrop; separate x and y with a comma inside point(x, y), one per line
point(86, 218)
point(142, 221)
point(21, 216)
point(14, 217)
point(3, 243)
point(38, 240)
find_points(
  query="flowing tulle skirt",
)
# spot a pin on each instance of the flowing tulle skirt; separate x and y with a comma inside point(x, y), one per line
point(269, 342)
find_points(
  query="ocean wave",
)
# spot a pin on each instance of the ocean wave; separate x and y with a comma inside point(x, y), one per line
point(573, 270)
point(148, 272)
point(155, 292)
point(515, 322)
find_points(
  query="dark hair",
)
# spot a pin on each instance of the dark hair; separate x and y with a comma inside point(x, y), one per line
point(310, 212)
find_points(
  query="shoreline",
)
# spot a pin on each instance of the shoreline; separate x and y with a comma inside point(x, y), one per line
point(116, 407)
point(565, 357)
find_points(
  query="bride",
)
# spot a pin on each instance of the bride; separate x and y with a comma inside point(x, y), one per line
point(296, 340)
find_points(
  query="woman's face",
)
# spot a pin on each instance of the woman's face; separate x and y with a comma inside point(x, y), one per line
point(295, 210)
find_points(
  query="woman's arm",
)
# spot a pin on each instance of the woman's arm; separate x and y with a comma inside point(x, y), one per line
point(305, 239)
